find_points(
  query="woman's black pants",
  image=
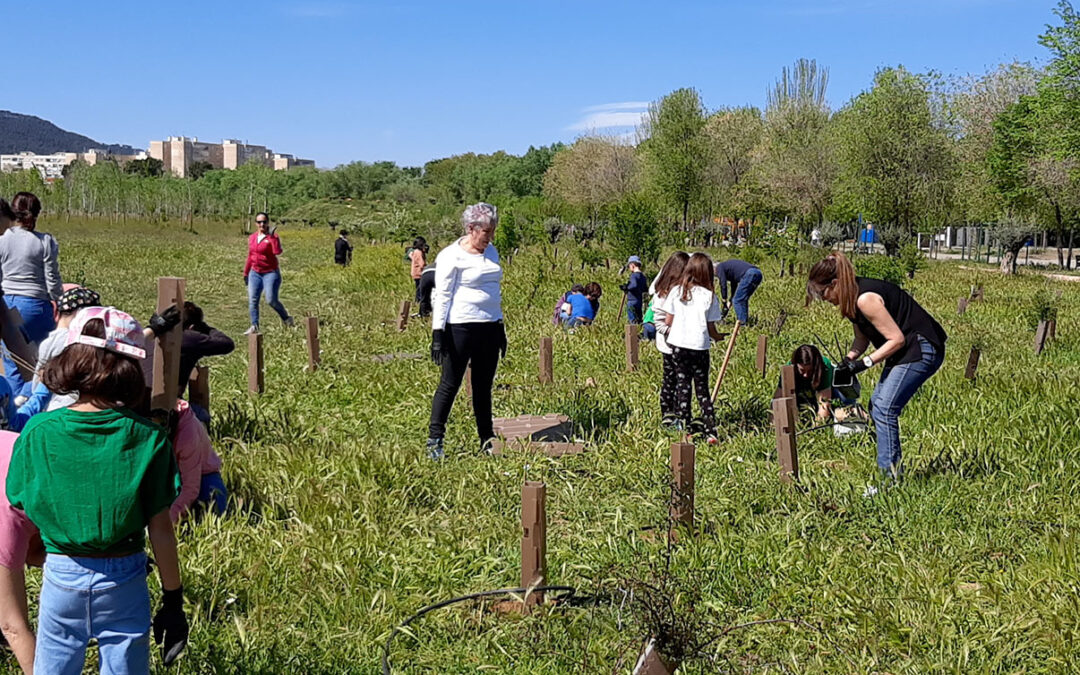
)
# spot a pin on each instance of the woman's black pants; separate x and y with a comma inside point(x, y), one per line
point(475, 344)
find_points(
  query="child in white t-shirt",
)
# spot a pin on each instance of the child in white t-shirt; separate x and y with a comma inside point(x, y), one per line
point(691, 312)
point(670, 275)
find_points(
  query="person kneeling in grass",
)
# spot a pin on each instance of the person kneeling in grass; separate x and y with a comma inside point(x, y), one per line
point(814, 387)
point(201, 486)
point(95, 478)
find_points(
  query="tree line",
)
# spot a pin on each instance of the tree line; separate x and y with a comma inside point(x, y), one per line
point(914, 152)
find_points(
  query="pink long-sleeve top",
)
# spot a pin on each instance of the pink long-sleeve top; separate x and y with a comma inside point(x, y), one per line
point(194, 457)
point(262, 253)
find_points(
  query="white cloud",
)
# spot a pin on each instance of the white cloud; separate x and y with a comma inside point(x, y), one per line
point(625, 105)
point(611, 116)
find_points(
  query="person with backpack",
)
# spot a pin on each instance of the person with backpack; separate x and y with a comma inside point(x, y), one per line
point(94, 531)
point(427, 285)
point(417, 263)
point(669, 277)
point(906, 338)
point(690, 314)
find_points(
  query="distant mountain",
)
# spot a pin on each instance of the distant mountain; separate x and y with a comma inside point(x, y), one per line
point(26, 133)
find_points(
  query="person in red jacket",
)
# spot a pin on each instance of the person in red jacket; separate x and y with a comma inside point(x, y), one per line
point(261, 273)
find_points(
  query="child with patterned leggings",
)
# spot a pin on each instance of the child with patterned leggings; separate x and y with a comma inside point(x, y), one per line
point(669, 276)
point(691, 312)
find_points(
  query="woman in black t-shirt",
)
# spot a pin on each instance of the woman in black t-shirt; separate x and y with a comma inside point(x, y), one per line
point(905, 337)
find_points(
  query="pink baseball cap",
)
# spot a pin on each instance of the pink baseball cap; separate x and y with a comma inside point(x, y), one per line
point(123, 334)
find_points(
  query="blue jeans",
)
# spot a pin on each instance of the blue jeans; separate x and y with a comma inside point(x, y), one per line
point(212, 492)
point(741, 300)
point(268, 284)
point(648, 331)
point(102, 598)
point(633, 310)
point(896, 387)
point(38, 322)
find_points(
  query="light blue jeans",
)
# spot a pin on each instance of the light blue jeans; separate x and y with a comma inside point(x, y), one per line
point(268, 284)
point(102, 598)
point(38, 322)
point(741, 300)
point(895, 388)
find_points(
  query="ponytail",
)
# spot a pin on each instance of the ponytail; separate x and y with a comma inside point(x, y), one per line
point(837, 272)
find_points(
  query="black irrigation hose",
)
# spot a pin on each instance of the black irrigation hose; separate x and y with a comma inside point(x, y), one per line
point(568, 590)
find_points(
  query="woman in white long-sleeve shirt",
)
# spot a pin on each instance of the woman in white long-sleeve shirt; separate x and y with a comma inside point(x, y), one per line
point(466, 323)
point(29, 264)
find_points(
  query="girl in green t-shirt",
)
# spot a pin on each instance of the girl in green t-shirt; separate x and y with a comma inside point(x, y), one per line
point(814, 381)
point(94, 477)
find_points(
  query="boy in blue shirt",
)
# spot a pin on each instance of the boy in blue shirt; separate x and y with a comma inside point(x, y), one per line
point(577, 310)
point(635, 291)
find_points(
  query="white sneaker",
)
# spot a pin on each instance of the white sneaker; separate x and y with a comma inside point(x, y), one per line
point(253, 329)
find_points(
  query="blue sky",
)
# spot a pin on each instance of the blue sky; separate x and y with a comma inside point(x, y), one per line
point(338, 81)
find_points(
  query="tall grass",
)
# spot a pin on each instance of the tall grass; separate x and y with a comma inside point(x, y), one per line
point(343, 528)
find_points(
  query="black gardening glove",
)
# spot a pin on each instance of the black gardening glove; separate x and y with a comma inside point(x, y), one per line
point(245, 281)
point(164, 322)
point(848, 369)
point(625, 288)
point(502, 340)
point(171, 626)
point(437, 351)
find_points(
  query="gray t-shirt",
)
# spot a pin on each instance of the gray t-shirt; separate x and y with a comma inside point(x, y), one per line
point(30, 264)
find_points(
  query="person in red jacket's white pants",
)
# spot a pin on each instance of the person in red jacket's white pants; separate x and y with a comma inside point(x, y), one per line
point(262, 275)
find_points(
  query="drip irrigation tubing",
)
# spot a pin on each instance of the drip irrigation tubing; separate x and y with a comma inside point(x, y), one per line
point(831, 425)
point(568, 591)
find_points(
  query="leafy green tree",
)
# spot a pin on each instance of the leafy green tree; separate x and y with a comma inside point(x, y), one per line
point(592, 174)
point(148, 167)
point(732, 135)
point(797, 164)
point(896, 159)
point(676, 149)
point(196, 170)
point(635, 229)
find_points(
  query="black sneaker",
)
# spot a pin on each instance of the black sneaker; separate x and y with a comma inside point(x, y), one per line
point(488, 447)
point(435, 449)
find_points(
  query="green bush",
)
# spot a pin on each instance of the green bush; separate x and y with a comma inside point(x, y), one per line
point(881, 267)
point(1042, 307)
point(911, 259)
point(635, 229)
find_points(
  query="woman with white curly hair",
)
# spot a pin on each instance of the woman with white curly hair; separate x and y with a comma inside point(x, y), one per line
point(466, 323)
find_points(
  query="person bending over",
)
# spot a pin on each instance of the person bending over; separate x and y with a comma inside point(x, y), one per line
point(743, 278)
point(909, 341)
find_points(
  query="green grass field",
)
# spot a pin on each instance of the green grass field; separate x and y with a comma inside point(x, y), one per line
point(343, 528)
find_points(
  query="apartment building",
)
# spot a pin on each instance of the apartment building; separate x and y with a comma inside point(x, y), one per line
point(52, 166)
point(177, 153)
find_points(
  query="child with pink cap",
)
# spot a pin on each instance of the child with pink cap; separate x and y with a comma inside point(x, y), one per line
point(94, 530)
